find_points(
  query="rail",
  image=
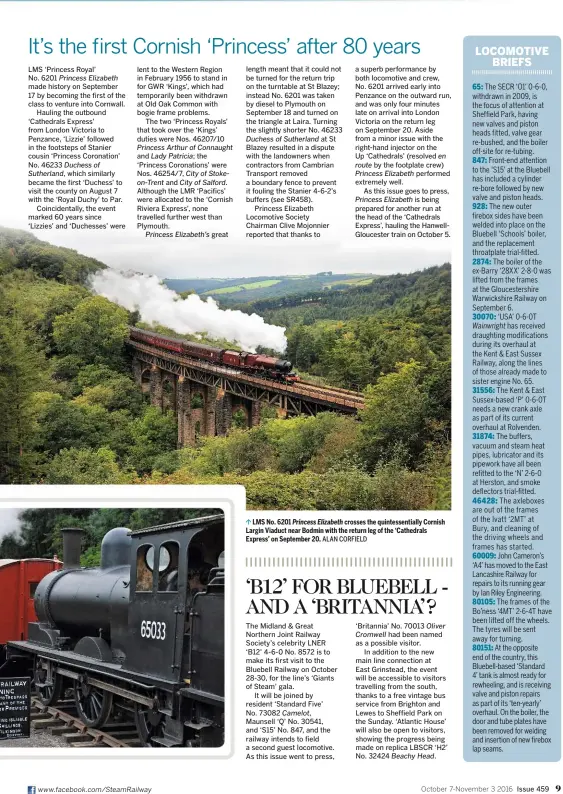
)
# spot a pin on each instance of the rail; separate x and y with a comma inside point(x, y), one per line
point(64, 723)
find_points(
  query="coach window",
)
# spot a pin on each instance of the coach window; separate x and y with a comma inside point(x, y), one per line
point(145, 564)
point(168, 567)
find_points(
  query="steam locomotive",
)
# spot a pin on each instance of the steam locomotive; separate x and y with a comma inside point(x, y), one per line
point(253, 363)
point(143, 634)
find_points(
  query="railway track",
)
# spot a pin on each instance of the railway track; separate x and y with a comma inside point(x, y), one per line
point(61, 720)
point(334, 390)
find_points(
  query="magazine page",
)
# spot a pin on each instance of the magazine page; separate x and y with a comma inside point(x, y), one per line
point(280, 392)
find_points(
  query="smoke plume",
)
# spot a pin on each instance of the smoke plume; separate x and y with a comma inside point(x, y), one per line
point(158, 304)
point(10, 520)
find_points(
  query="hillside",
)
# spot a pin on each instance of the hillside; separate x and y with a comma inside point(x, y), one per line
point(21, 250)
point(399, 291)
point(235, 290)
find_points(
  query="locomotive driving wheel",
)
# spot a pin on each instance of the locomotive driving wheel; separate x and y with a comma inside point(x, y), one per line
point(93, 704)
point(148, 722)
point(49, 685)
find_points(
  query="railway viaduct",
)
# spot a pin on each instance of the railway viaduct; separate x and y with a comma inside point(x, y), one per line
point(206, 396)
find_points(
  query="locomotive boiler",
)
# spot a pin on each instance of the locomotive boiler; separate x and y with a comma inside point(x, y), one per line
point(143, 633)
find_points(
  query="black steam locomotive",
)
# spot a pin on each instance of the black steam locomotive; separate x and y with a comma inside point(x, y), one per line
point(143, 633)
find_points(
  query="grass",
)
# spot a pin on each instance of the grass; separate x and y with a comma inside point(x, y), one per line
point(241, 287)
point(356, 282)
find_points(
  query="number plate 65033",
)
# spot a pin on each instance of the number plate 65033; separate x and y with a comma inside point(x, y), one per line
point(153, 629)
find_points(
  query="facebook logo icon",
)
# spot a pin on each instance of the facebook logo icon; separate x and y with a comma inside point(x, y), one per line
point(31, 790)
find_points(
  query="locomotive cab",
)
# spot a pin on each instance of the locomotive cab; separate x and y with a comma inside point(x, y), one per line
point(169, 567)
point(176, 627)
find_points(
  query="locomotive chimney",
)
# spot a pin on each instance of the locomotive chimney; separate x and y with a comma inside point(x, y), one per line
point(72, 541)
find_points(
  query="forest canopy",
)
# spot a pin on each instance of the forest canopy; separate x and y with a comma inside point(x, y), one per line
point(39, 534)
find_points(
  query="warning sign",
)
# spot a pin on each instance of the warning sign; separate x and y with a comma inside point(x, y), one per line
point(15, 707)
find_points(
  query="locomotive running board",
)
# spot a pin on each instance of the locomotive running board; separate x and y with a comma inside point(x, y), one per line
point(91, 666)
point(198, 694)
point(116, 690)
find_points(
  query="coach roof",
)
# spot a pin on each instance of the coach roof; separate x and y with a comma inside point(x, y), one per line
point(189, 523)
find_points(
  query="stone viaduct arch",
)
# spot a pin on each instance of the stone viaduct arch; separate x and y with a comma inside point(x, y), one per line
point(207, 397)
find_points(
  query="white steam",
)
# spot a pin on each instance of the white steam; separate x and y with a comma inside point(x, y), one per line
point(10, 520)
point(158, 304)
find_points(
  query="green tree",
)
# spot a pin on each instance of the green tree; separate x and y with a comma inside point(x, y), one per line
point(48, 261)
point(113, 390)
point(242, 451)
point(22, 373)
point(154, 433)
point(40, 530)
point(39, 533)
point(393, 421)
point(68, 424)
point(437, 382)
point(11, 547)
point(301, 439)
point(347, 364)
point(301, 347)
point(64, 300)
point(85, 467)
point(239, 419)
point(95, 331)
